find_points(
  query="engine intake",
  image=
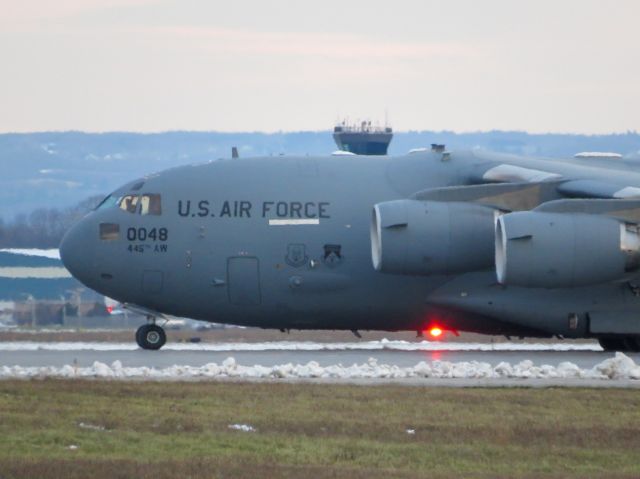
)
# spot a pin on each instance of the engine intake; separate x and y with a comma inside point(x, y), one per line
point(429, 237)
point(556, 250)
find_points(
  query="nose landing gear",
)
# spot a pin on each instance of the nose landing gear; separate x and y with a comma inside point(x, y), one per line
point(151, 336)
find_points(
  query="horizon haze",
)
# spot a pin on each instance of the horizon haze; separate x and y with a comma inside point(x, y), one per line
point(284, 65)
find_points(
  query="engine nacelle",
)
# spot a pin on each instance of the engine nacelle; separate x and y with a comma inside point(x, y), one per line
point(557, 250)
point(431, 237)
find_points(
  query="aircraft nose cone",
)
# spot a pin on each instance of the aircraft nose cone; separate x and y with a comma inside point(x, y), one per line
point(76, 250)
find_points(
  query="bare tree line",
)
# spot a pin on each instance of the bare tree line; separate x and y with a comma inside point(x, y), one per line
point(43, 227)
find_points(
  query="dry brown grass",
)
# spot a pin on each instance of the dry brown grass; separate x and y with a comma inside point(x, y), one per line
point(183, 469)
point(181, 430)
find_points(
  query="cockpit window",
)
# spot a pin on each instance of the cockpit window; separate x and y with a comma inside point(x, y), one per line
point(151, 204)
point(108, 202)
point(146, 204)
point(129, 203)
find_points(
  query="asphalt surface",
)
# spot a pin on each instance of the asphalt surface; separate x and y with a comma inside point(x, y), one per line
point(168, 357)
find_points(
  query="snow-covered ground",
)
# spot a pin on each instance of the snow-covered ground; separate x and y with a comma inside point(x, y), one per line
point(383, 344)
point(45, 253)
point(619, 367)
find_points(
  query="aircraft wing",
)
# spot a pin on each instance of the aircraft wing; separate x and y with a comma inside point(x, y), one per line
point(597, 189)
point(503, 196)
point(565, 187)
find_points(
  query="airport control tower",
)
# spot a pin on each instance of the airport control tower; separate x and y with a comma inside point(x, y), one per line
point(363, 138)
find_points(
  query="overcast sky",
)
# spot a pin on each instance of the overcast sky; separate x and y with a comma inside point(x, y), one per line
point(268, 65)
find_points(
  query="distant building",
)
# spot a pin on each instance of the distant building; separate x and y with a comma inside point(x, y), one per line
point(36, 290)
point(362, 139)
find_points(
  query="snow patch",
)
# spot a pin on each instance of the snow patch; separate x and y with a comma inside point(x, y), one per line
point(342, 153)
point(48, 148)
point(618, 367)
point(91, 427)
point(598, 154)
point(45, 253)
point(242, 427)
point(114, 156)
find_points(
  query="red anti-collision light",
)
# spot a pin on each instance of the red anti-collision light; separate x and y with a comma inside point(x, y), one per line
point(435, 332)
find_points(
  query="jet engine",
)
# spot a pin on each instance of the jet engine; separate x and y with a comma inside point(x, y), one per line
point(557, 250)
point(429, 237)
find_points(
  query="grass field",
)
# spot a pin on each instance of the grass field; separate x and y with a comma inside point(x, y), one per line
point(101, 429)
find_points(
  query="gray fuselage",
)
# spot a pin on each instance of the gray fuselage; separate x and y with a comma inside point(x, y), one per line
point(284, 242)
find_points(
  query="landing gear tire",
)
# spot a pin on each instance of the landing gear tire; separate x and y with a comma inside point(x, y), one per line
point(150, 336)
point(613, 344)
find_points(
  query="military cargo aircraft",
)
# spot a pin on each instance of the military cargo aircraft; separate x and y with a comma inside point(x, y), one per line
point(432, 240)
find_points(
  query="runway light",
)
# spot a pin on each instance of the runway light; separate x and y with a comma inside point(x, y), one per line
point(435, 332)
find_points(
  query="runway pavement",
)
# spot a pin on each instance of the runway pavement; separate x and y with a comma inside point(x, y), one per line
point(272, 354)
point(414, 363)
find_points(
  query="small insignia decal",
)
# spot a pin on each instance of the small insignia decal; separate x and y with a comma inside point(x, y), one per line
point(296, 255)
point(332, 255)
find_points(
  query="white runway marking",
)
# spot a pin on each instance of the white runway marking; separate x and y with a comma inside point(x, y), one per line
point(303, 346)
point(620, 367)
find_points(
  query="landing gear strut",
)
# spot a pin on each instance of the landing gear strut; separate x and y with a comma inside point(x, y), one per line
point(151, 336)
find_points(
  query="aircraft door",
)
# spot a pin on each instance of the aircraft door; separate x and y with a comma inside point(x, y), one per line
point(243, 275)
